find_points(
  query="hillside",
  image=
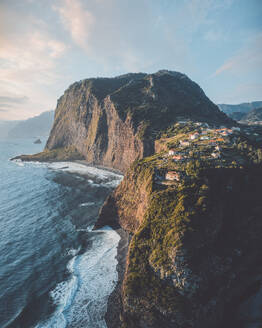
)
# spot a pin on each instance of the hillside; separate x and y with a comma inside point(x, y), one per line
point(241, 108)
point(33, 127)
point(254, 115)
point(237, 116)
point(5, 127)
point(113, 121)
point(193, 210)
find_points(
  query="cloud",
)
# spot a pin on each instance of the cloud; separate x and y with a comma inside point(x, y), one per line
point(9, 103)
point(13, 100)
point(33, 54)
point(4, 105)
point(108, 31)
point(137, 35)
point(29, 55)
point(247, 60)
point(77, 20)
point(121, 36)
point(55, 42)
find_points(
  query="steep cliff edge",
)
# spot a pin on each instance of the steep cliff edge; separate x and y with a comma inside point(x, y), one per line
point(195, 221)
point(113, 121)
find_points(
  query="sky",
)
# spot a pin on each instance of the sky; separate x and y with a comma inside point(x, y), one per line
point(46, 45)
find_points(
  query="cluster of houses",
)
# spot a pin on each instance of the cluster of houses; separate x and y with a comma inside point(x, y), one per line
point(177, 156)
point(212, 148)
point(205, 135)
point(214, 137)
point(173, 175)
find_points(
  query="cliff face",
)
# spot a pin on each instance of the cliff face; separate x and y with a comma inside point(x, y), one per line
point(196, 246)
point(90, 122)
point(113, 121)
point(126, 206)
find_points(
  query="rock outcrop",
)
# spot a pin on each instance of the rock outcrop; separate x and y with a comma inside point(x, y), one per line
point(37, 141)
point(113, 121)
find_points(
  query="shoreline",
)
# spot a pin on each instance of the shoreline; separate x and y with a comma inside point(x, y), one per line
point(114, 303)
point(85, 163)
point(78, 161)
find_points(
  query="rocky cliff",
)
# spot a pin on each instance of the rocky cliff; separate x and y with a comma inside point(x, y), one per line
point(191, 200)
point(195, 251)
point(113, 121)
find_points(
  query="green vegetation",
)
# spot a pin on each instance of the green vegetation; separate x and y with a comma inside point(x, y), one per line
point(59, 154)
point(171, 214)
point(181, 216)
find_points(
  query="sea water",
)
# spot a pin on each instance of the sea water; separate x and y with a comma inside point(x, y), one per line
point(54, 270)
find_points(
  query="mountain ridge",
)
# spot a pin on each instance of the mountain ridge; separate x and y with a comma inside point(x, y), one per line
point(113, 121)
point(242, 107)
point(37, 126)
point(253, 116)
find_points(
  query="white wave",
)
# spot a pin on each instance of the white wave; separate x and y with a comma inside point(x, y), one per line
point(17, 162)
point(93, 183)
point(87, 204)
point(62, 297)
point(73, 252)
point(20, 163)
point(111, 184)
point(84, 169)
point(108, 178)
point(82, 300)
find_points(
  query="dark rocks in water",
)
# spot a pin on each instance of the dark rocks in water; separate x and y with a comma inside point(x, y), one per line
point(113, 121)
point(37, 141)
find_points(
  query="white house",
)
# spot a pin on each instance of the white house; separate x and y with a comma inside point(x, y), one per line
point(171, 152)
point(216, 155)
point(184, 143)
point(194, 136)
point(173, 175)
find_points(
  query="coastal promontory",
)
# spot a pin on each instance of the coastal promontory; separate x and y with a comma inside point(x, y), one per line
point(113, 121)
point(189, 206)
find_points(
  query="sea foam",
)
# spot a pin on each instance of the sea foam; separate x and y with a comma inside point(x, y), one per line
point(82, 300)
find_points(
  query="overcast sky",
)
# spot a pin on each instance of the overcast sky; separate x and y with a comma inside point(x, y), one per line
point(45, 45)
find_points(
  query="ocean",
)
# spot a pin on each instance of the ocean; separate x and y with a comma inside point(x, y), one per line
point(54, 270)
